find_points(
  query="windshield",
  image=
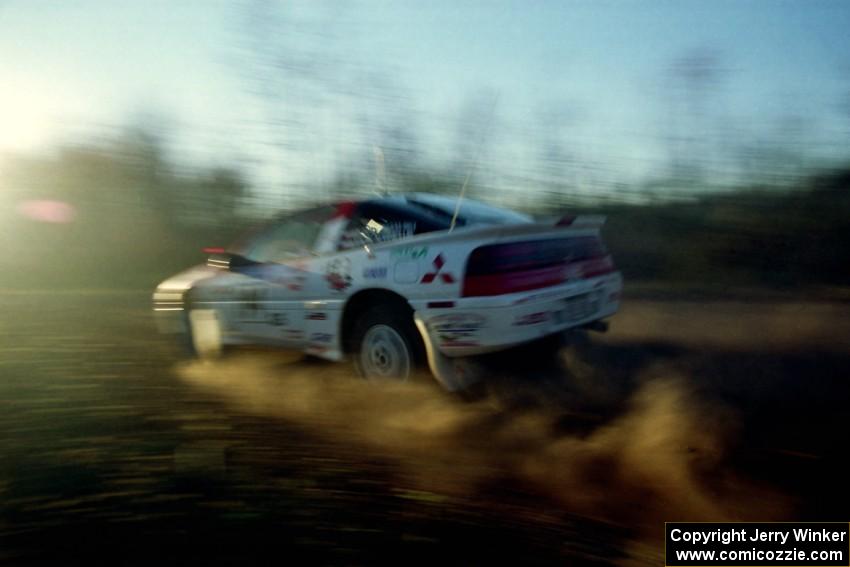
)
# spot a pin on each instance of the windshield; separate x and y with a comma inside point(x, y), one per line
point(292, 236)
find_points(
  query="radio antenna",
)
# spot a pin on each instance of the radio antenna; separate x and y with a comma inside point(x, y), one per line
point(484, 134)
point(380, 171)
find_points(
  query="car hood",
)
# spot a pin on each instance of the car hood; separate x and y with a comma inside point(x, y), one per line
point(187, 279)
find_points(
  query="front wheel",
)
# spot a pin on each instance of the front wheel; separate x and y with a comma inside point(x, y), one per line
point(385, 345)
point(204, 335)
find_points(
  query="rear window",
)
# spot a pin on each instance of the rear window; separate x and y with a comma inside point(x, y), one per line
point(471, 212)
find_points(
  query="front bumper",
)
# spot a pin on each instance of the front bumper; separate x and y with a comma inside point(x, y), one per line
point(477, 325)
point(168, 311)
point(170, 295)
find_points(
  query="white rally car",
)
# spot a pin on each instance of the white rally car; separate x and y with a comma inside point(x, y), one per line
point(390, 281)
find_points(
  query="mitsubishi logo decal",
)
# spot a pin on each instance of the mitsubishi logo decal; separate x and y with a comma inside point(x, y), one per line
point(438, 262)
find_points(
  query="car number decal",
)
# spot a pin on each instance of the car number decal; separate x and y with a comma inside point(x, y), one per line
point(338, 274)
point(375, 273)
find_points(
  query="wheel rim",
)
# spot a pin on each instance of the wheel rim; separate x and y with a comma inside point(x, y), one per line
point(384, 354)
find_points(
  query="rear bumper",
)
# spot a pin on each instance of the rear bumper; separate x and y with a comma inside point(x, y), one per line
point(477, 325)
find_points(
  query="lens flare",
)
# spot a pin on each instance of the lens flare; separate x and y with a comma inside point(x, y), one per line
point(47, 211)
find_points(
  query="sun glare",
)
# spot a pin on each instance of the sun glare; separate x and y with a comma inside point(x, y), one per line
point(25, 121)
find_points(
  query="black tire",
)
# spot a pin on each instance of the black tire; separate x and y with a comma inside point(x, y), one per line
point(385, 343)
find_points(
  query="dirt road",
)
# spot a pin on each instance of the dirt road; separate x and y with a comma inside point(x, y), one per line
point(112, 450)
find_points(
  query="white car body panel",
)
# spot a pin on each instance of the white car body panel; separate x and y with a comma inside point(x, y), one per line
point(299, 303)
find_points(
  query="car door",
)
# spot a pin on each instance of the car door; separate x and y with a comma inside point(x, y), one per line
point(378, 222)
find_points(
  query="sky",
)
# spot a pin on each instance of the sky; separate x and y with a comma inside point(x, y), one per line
point(74, 69)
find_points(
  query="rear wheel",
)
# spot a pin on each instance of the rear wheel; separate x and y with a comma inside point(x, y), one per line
point(385, 345)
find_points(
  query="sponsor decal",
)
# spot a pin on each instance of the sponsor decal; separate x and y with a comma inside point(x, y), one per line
point(460, 343)
point(277, 319)
point(458, 321)
point(316, 316)
point(321, 338)
point(376, 273)
point(531, 319)
point(438, 264)
point(338, 274)
point(458, 329)
point(409, 253)
point(558, 294)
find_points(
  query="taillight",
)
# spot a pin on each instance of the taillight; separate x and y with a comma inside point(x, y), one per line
point(522, 266)
point(597, 267)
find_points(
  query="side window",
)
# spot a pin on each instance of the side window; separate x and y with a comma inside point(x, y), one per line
point(374, 223)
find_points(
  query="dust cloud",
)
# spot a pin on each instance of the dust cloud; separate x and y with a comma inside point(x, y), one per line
point(655, 455)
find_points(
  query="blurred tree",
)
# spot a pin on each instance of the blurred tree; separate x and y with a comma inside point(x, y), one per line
point(389, 140)
point(291, 63)
point(844, 106)
point(777, 157)
point(693, 80)
point(226, 191)
point(140, 148)
point(332, 113)
point(557, 159)
point(475, 135)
